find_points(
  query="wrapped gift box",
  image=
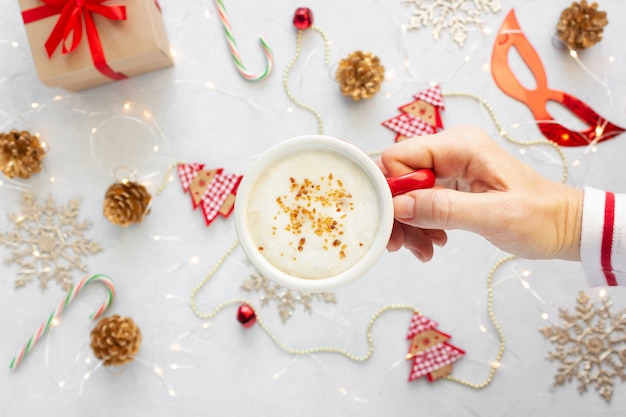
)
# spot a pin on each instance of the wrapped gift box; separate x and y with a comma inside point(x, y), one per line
point(113, 39)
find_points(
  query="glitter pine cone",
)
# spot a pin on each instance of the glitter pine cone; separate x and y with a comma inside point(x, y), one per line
point(360, 75)
point(115, 340)
point(581, 25)
point(20, 154)
point(126, 202)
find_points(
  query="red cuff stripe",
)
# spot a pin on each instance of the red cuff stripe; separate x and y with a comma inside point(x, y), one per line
point(607, 239)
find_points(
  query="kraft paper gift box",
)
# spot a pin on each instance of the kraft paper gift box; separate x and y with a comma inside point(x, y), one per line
point(78, 44)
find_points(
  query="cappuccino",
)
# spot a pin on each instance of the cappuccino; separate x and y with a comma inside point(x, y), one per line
point(313, 214)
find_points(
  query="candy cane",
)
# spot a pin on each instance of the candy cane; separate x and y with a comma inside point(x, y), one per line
point(45, 326)
point(234, 53)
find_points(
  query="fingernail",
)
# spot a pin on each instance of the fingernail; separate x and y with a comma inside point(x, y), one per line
point(404, 207)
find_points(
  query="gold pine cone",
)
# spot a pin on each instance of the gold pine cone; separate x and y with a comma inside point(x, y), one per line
point(580, 25)
point(359, 75)
point(115, 340)
point(126, 203)
point(20, 154)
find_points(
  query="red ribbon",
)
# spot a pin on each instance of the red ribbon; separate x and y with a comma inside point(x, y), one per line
point(68, 31)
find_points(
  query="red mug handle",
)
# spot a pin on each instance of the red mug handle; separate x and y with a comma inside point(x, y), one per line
point(416, 180)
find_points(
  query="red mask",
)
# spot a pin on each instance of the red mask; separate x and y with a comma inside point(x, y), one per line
point(510, 35)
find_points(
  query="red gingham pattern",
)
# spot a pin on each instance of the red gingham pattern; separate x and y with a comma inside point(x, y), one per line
point(434, 358)
point(409, 125)
point(432, 95)
point(187, 172)
point(221, 186)
point(419, 324)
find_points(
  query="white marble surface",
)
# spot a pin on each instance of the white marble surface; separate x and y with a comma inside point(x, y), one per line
point(202, 111)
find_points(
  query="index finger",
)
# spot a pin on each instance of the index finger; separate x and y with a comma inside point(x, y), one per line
point(448, 153)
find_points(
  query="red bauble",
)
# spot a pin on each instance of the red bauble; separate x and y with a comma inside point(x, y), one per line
point(303, 18)
point(246, 315)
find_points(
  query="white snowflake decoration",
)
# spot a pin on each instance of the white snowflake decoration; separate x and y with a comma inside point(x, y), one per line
point(48, 242)
point(453, 16)
point(590, 346)
point(286, 300)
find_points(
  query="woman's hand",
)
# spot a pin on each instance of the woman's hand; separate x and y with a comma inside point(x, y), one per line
point(483, 189)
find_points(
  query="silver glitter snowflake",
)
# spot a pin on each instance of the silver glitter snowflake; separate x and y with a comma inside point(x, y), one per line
point(590, 346)
point(453, 16)
point(286, 300)
point(48, 242)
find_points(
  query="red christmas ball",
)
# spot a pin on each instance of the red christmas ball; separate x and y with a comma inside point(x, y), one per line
point(303, 18)
point(246, 315)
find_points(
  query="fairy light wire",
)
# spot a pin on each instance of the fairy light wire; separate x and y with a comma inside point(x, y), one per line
point(502, 132)
point(495, 363)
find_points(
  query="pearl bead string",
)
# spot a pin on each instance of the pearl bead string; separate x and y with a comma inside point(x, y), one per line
point(495, 363)
point(292, 97)
point(368, 331)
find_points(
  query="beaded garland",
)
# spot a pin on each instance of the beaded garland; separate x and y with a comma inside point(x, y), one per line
point(247, 314)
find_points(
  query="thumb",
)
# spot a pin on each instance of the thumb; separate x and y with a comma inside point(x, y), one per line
point(442, 208)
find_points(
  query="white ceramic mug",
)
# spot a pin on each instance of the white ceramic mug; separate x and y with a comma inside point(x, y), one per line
point(382, 190)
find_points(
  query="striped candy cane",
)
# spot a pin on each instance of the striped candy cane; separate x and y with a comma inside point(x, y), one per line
point(45, 326)
point(234, 52)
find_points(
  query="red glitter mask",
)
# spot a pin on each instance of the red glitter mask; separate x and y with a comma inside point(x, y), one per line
point(510, 35)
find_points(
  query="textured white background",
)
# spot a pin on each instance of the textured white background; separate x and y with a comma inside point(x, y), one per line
point(208, 114)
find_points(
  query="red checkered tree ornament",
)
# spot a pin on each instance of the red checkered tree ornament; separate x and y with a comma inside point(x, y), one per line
point(430, 353)
point(212, 189)
point(419, 117)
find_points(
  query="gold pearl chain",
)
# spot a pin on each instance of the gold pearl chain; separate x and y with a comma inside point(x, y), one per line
point(318, 116)
point(266, 329)
point(167, 177)
point(495, 363)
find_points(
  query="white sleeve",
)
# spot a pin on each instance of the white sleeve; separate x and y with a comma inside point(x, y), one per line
point(603, 238)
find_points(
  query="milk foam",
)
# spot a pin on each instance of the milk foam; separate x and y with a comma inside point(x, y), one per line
point(313, 214)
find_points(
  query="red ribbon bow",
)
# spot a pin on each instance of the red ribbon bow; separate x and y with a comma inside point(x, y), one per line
point(70, 27)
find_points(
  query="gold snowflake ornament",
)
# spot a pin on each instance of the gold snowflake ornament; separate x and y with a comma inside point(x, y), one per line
point(286, 300)
point(590, 346)
point(452, 16)
point(48, 242)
